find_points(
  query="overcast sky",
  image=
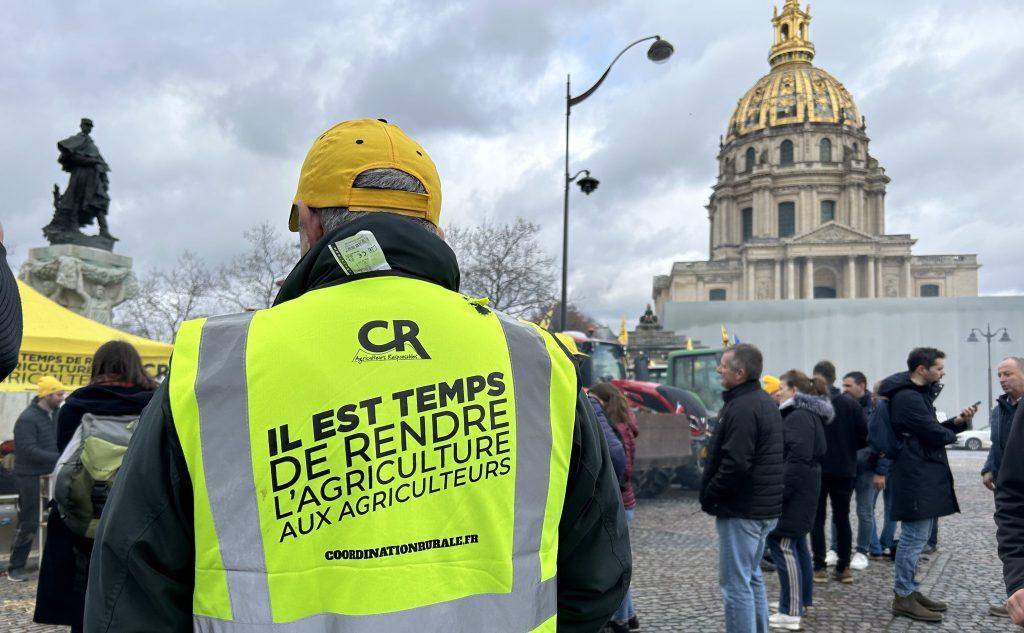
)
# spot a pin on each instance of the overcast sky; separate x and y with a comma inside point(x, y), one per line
point(204, 111)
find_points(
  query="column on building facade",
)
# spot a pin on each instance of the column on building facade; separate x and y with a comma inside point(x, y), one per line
point(907, 280)
point(777, 282)
point(808, 278)
point(790, 278)
point(851, 277)
point(751, 291)
point(880, 277)
point(871, 277)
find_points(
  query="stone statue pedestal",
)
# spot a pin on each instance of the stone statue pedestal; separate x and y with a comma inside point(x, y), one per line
point(83, 279)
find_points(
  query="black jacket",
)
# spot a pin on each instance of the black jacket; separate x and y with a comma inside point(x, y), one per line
point(142, 566)
point(744, 474)
point(999, 421)
point(64, 568)
point(920, 479)
point(10, 318)
point(847, 434)
point(1010, 507)
point(35, 441)
point(803, 424)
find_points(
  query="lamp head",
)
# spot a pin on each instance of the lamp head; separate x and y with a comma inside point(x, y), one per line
point(588, 184)
point(973, 338)
point(1005, 338)
point(660, 51)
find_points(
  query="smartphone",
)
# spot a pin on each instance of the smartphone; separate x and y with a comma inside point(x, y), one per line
point(977, 404)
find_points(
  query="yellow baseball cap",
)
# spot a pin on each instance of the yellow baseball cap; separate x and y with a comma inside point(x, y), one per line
point(771, 384)
point(49, 385)
point(350, 148)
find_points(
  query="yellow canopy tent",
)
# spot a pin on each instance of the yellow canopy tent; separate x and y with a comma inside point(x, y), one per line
point(61, 343)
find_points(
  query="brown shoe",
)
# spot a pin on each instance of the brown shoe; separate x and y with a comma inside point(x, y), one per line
point(821, 575)
point(928, 603)
point(845, 576)
point(907, 607)
point(999, 612)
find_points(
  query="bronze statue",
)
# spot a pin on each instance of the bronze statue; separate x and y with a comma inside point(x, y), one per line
point(85, 199)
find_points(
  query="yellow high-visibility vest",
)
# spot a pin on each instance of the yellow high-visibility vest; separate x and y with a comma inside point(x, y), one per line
point(380, 455)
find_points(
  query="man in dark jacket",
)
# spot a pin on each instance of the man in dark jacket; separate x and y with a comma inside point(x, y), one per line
point(35, 455)
point(844, 436)
point(1011, 378)
point(10, 315)
point(742, 486)
point(1010, 517)
point(143, 565)
point(921, 481)
point(866, 487)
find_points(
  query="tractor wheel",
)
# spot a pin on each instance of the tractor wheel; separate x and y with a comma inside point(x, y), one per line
point(651, 483)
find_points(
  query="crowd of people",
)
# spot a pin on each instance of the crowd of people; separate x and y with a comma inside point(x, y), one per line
point(270, 422)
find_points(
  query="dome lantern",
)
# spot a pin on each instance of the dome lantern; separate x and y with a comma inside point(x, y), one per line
point(792, 41)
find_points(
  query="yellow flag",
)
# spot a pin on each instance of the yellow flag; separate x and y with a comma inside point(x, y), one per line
point(623, 334)
point(689, 343)
point(725, 337)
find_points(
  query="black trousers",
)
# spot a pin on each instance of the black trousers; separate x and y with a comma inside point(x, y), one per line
point(28, 520)
point(838, 490)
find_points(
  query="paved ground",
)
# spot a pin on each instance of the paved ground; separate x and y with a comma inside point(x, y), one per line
point(676, 573)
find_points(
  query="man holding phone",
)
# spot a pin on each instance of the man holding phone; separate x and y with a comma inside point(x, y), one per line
point(921, 481)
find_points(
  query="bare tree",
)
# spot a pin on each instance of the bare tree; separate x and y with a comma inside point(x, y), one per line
point(506, 264)
point(165, 298)
point(249, 281)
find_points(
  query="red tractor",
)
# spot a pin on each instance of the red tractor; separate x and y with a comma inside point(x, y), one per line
point(672, 445)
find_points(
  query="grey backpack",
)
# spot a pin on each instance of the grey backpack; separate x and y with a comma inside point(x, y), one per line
point(86, 469)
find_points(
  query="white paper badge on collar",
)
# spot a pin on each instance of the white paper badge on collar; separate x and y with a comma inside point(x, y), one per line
point(359, 253)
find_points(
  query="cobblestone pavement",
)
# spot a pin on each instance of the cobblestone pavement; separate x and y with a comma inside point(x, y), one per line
point(675, 584)
point(676, 577)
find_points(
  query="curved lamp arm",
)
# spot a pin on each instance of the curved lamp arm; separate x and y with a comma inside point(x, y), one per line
point(582, 171)
point(578, 99)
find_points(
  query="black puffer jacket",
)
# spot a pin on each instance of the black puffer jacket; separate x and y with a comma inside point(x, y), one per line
point(744, 474)
point(847, 434)
point(1010, 507)
point(804, 419)
point(921, 482)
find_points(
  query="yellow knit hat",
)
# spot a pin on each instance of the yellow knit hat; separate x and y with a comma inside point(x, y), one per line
point(49, 385)
point(771, 384)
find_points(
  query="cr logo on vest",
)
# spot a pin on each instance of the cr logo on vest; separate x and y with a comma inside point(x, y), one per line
point(387, 340)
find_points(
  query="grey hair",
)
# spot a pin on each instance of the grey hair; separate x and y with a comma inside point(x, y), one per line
point(748, 358)
point(333, 218)
point(1017, 361)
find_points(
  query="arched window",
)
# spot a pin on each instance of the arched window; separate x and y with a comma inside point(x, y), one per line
point(785, 32)
point(748, 223)
point(824, 292)
point(930, 290)
point(828, 211)
point(856, 150)
point(787, 219)
point(825, 151)
point(716, 294)
point(786, 153)
point(750, 158)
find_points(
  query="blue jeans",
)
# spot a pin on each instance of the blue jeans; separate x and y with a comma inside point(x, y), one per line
point(888, 533)
point(740, 549)
point(865, 510)
point(792, 558)
point(913, 537)
point(625, 610)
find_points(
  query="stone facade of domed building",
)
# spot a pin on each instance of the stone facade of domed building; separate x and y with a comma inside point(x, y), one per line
point(798, 210)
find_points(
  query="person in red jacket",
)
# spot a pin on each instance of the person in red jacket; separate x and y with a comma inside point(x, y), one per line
point(624, 424)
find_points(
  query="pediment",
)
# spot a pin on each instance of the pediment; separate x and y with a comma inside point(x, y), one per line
point(832, 233)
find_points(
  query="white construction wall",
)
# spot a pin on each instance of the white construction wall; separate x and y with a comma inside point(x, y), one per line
point(869, 335)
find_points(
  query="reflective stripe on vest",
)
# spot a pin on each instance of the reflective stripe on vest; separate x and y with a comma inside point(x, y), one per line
point(234, 590)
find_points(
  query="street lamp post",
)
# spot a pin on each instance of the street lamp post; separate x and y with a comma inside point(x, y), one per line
point(989, 335)
point(659, 52)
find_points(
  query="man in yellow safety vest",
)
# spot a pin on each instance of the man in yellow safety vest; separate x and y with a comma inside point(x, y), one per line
point(376, 452)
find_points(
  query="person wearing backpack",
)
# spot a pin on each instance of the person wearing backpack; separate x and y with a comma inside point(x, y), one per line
point(119, 389)
point(921, 481)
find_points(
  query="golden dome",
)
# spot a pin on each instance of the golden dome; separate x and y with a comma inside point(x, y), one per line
point(794, 91)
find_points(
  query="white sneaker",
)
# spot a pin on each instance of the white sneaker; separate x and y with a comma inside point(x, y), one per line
point(784, 622)
point(859, 562)
point(831, 558)
point(773, 606)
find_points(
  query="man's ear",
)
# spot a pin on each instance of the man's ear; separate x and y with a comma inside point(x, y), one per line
point(311, 230)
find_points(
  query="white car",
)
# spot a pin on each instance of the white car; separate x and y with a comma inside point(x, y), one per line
point(974, 440)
